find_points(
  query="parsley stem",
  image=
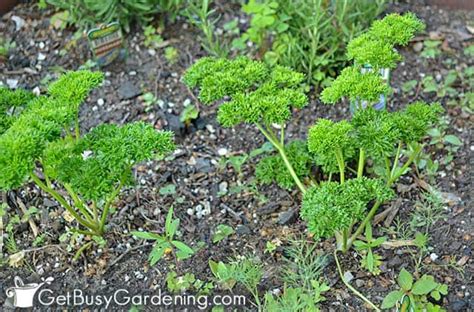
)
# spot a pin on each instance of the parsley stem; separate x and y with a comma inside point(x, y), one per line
point(111, 199)
point(387, 168)
point(361, 226)
point(79, 203)
point(281, 149)
point(360, 169)
point(63, 202)
point(395, 161)
point(355, 291)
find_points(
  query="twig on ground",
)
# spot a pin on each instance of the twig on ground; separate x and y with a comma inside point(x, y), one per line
point(31, 222)
point(125, 253)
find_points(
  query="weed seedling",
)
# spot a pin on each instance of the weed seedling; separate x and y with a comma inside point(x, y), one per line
point(370, 260)
point(166, 243)
point(413, 295)
point(222, 231)
point(246, 272)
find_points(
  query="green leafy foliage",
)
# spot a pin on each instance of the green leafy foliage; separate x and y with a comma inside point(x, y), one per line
point(314, 43)
point(93, 168)
point(41, 122)
point(265, 21)
point(354, 85)
point(272, 168)
point(89, 13)
point(187, 282)
point(327, 136)
point(414, 122)
point(374, 48)
point(297, 299)
point(11, 103)
point(334, 207)
point(246, 272)
point(370, 260)
point(74, 87)
point(375, 131)
point(415, 295)
point(95, 164)
point(397, 29)
point(222, 231)
point(258, 94)
point(200, 14)
point(166, 243)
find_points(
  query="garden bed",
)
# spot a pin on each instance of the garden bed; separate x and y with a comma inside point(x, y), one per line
point(203, 179)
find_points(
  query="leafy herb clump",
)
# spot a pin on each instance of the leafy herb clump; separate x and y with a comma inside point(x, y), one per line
point(86, 14)
point(92, 169)
point(253, 93)
point(384, 138)
point(374, 49)
point(333, 206)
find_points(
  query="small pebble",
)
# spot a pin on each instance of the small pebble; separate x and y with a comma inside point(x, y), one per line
point(41, 57)
point(222, 151)
point(100, 102)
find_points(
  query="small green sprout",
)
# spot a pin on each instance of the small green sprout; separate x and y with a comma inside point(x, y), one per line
point(222, 231)
point(413, 295)
point(370, 260)
point(246, 272)
point(166, 243)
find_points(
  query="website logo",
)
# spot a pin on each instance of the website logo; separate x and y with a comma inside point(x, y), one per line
point(22, 295)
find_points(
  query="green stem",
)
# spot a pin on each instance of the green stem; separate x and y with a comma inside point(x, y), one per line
point(400, 172)
point(360, 169)
point(387, 168)
point(281, 149)
point(63, 202)
point(95, 211)
point(361, 226)
point(79, 203)
point(355, 291)
point(395, 161)
point(81, 250)
point(340, 163)
point(109, 202)
point(344, 240)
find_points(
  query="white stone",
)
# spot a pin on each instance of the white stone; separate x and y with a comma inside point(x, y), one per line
point(100, 102)
point(433, 256)
point(36, 91)
point(19, 22)
point(210, 128)
point(222, 151)
point(41, 56)
point(12, 83)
